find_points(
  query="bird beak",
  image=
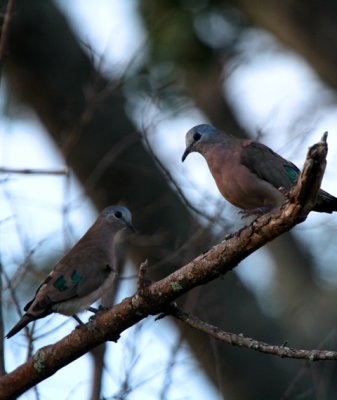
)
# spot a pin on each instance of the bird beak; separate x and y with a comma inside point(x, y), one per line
point(186, 153)
point(130, 226)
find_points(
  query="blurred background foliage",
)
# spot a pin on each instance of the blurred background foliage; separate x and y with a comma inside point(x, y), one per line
point(191, 64)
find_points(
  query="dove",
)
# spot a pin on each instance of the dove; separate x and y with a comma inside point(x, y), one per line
point(84, 274)
point(248, 174)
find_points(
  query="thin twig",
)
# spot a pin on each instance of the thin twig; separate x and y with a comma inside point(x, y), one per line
point(168, 378)
point(4, 30)
point(2, 334)
point(107, 159)
point(35, 171)
point(15, 301)
point(170, 178)
point(143, 282)
point(249, 343)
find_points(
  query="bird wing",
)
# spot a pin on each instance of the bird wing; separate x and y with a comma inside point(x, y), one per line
point(268, 165)
point(79, 278)
point(76, 275)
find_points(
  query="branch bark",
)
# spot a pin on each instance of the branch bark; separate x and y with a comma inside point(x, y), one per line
point(239, 340)
point(155, 298)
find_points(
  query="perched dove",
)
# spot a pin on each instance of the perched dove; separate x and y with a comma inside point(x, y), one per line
point(248, 174)
point(83, 275)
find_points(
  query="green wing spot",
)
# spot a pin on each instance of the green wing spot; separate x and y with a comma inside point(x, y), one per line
point(76, 277)
point(60, 284)
point(291, 172)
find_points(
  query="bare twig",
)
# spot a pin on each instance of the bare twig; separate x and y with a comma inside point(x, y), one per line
point(15, 301)
point(170, 178)
point(35, 171)
point(97, 354)
point(2, 334)
point(143, 282)
point(110, 156)
point(168, 378)
point(249, 343)
point(4, 30)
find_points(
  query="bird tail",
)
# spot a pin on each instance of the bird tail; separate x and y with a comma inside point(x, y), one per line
point(26, 318)
point(325, 202)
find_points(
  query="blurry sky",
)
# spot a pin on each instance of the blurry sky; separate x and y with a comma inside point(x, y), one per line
point(268, 89)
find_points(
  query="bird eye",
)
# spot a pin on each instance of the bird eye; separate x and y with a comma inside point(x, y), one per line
point(196, 136)
point(118, 214)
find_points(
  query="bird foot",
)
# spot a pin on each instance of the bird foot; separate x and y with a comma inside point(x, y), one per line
point(167, 312)
point(80, 323)
point(99, 309)
point(96, 311)
point(115, 337)
point(255, 211)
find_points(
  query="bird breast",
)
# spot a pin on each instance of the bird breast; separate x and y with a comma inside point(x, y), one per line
point(239, 185)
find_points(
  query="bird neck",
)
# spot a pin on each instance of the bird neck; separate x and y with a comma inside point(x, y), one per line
point(219, 156)
point(217, 152)
point(102, 233)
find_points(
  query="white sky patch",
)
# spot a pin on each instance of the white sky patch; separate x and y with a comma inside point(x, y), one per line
point(33, 199)
point(257, 272)
point(110, 27)
point(270, 91)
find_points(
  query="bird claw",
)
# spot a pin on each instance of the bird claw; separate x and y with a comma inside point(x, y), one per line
point(103, 308)
point(258, 211)
point(115, 337)
point(99, 309)
point(80, 323)
point(96, 311)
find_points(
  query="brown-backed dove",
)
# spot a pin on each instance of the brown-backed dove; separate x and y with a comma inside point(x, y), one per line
point(83, 275)
point(248, 174)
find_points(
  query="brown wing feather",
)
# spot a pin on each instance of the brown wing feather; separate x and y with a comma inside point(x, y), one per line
point(268, 165)
point(72, 277)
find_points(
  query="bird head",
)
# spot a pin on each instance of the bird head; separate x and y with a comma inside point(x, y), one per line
point(118, 216)
point(197, 137)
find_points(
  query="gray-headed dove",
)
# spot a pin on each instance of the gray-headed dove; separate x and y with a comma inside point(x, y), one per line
point(83, 275)
point(248, 174)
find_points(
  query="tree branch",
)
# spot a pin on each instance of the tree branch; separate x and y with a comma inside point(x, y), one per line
point(157, 296)
point(234, 339)
point(4, 29)
point(35, 171)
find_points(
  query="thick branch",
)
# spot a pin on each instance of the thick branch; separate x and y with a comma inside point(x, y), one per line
point(156, 297)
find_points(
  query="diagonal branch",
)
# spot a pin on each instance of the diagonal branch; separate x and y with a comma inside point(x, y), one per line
point(157, 296)
point(239, 340)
